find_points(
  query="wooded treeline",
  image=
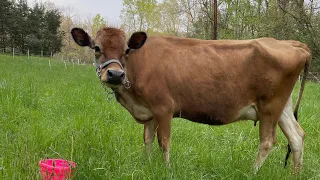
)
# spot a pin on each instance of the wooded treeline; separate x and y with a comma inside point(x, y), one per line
point(237, 19)
point(35, 29)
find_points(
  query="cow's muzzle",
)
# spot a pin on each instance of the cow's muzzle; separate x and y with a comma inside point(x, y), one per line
point(115, 77)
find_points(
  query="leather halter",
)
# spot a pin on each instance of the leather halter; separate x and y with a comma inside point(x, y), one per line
point(99, 67)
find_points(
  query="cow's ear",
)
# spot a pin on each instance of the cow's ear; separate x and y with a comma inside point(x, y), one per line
point(81, 37)
point(137, 40)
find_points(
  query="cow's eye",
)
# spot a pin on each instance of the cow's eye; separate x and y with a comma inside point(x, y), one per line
point(97, 49)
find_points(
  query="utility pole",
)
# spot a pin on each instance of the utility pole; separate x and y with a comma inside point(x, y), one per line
point(215, 19)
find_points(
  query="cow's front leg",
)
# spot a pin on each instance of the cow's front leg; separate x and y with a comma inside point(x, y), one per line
point(266, 132)
point(269, 116)
point(150, 129)
point(164, 133)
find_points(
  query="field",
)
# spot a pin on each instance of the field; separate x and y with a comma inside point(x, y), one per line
point(62, 112)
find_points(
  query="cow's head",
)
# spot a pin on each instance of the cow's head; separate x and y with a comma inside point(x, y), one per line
point(110, 47)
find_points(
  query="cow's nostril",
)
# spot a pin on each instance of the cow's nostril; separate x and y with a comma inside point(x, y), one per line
point(110, 74)
point(122, 75)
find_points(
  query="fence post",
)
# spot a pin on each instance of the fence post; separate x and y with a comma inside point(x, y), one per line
point(41, 53)
point(28, 54)
point(78, 61)
point(49, 63)
point(13, 52)
point(65, 64)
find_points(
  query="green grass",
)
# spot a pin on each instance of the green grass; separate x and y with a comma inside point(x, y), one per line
point(63, 113)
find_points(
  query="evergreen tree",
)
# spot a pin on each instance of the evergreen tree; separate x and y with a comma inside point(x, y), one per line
point(26, 28)
point(5, 13)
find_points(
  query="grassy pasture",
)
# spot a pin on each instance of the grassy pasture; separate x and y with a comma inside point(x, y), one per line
point(62, 112)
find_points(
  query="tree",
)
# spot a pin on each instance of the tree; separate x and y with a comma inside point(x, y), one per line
point(140, 15)
point(65, 28)
point(36, 28)
point(97, 23)
point(53, 39)
point(26, 28)
point(6, 7)
point(18, 28)
point(170, 22)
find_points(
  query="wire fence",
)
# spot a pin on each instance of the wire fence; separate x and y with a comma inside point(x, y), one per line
point(40, 53)
point(313, 76)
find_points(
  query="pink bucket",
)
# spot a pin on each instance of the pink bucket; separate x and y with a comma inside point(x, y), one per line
point(56, 169)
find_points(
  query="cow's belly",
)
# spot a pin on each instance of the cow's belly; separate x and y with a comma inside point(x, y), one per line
point(206, 119)
point(246, 113)
point(200, 117)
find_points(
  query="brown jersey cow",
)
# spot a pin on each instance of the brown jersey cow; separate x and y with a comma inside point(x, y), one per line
point(214, 82)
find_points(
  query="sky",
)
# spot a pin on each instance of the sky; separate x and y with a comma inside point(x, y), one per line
point(109, 9)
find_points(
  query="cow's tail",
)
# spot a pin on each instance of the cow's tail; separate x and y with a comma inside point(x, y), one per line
point(303, 82)
point(295, 112)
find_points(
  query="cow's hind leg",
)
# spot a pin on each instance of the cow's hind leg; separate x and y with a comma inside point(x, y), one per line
point(150, 129)
point(294, 134)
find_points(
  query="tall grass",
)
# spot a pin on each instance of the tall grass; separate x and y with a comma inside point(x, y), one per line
point(62, 112)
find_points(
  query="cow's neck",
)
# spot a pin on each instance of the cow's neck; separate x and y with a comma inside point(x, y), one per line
point(120, 93)
point(128, 100)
